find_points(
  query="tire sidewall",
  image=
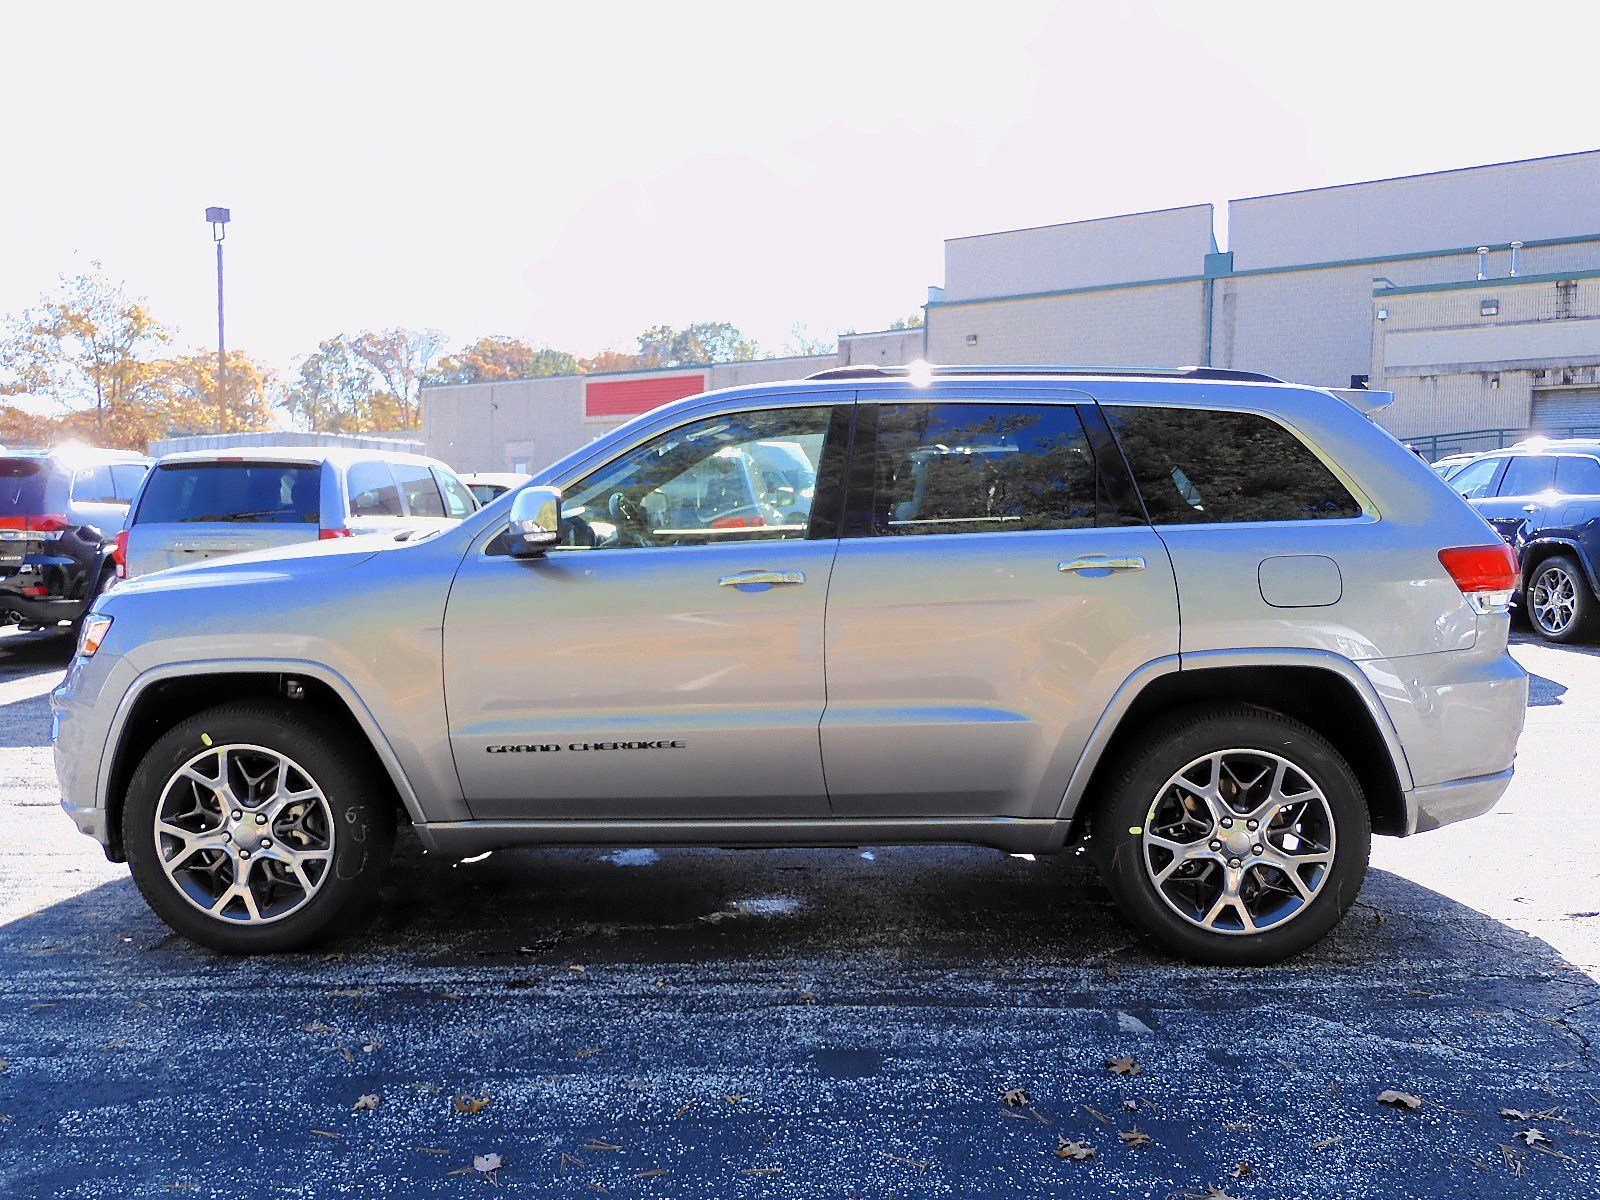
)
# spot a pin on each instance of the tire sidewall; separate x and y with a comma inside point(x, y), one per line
point(1119, 850)
point(1582, 603)
point(363, 824)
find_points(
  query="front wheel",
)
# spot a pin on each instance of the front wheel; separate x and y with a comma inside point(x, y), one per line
point(250, 830)
point(1233, 836)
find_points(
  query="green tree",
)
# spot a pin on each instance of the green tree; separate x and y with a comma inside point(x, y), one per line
point(490, 359)
point(87, 343)
point(702, 342)
point(333, 389)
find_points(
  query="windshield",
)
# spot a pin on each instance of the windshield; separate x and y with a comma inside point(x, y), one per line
point(269, 493)
point(24, 483)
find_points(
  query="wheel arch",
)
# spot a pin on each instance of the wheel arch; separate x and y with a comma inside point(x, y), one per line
point(1538, 551)
point(163, 697)
point(1318, 688)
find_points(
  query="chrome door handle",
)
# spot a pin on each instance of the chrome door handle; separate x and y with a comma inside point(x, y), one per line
point(770, 578)
point(1530, 508)
point(1102, 562)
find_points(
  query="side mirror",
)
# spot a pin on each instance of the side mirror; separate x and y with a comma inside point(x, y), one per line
point(535, 521)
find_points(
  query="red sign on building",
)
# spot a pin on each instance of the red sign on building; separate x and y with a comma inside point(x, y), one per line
point(629, 397)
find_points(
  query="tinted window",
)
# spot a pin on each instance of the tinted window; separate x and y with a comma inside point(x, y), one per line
point(373, 491)
point(25, 488)
point(1577, 476)
point(422, 493)
point(735, 477)
point(92, 485)
point(486, 492)
point(1475, 480)
point(1528, 475)
point(458, 501)
point(277, 493)
point(1196, 466)
point(126, 478)
point(981, 468)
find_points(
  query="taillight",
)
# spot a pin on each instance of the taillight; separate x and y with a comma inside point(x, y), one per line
point(1486, 575)
point(119, 554)
point(751, 522)
point(50, 525)
point(327, 535)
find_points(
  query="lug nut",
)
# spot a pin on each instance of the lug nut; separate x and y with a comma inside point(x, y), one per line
point(1255, 849)
point(1250, 825)
point(1233, 862)
point(237, 815)
point(1227, 822)
point(261, 818)
point(266, 843)
point(244, 854)
point(1216, 845)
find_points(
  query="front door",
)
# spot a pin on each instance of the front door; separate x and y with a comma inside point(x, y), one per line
point(666, 660)
point(997, 585)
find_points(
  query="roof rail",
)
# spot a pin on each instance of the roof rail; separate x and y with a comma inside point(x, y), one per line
point(1215, 373)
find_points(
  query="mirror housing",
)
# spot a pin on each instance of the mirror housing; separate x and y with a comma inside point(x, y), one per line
point(535, 521)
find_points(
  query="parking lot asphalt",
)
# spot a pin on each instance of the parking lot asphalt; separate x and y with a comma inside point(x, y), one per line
point(832, 1023)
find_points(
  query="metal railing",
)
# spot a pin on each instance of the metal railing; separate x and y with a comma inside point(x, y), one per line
point(1434, 446)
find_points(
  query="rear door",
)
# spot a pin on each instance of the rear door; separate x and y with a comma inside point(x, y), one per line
point(425, 504)
point(95, 501)
point(996, 585)
point(190, 511)
point(1526, 489)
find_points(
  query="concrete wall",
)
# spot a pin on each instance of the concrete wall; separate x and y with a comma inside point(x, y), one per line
point(1161, 325)
point(1166, 244)
point(885, 348)
point(399, 443)
point(1527, 201)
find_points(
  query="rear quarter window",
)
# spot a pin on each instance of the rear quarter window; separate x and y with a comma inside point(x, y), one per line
point(1198, 466)
point(248, 493)
point(30, 487)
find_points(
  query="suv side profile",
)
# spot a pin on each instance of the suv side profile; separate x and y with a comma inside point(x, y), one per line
point(1542, 497)
point(60, 513)
point(1219, 628)
point(199, 505)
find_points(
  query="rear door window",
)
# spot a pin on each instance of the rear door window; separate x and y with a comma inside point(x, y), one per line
point(241, 492)
point(26, 488)
point(373, 491)
point(979, 468)
point(93, 485)
point(1577, 476)
point(421, 492)
point(1202, 466)
point(1529, 474)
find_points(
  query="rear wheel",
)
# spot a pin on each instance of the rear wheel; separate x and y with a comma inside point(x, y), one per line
point(1560, 606)
point(1235, 836)
point(249, 829)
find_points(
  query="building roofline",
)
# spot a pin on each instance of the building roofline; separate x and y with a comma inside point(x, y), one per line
point(1333, 187)
point(1499, 281)
point(1147, 212)
point(680, 369)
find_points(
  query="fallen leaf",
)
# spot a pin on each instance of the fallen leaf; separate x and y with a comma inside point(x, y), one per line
point(450, 996)
point(351, 991)
point(1531, 1137)
point(577, 970)
point(1326, 1142)
point(1095, 1113)
point(587, 1052)
point(1135, 1137)
point(327, 1133)
point(808, 996)
point(1515, 1114)
point(469, 1105)
point(921, 1167)
point(316, 1028)
point(1016, 1098)
point(486, 1162)
point(595, 1144)
point(736, 1099)
point(366, 1103)
point(1077, 1151)
point(1243, 1171)
point(345, 1051)
point(651, 1173)
point(761, 1171)
point(433, 1150)
point(1396, 1099)
point(683, 1110)
point(1123, 1066)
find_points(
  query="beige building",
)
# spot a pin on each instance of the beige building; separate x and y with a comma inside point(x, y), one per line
point(1388, 281)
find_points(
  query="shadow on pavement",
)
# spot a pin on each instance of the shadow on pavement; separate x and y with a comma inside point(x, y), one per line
point(786, 1023)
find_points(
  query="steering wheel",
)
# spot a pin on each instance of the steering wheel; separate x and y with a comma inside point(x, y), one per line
point(632, 520)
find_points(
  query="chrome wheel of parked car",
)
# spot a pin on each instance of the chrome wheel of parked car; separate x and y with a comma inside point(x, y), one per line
point(1553, 598)
point(1239, 841)
point(244, 834)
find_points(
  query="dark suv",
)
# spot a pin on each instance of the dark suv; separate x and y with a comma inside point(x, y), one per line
point(60, 512)
point(1543, 498)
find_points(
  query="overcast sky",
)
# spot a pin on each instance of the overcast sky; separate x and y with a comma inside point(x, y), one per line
point(570, 173)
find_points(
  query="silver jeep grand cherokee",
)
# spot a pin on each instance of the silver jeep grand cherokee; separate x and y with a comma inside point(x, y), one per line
point(1220, 628)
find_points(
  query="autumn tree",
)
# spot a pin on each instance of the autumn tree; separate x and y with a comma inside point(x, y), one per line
point(87, 343)
point(401, 359)
point(914, 321)
point(702, 342)
point(804, 342)
point(498, 357)
point(335, 390)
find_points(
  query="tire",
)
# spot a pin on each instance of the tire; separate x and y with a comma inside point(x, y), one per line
point(1560, 606)
point(311, 863)
point(1189, 914)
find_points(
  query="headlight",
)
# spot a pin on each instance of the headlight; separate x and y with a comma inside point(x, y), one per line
point(92, 634)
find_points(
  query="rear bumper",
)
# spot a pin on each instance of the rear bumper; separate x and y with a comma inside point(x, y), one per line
point(1446, 803)
point(39, 610)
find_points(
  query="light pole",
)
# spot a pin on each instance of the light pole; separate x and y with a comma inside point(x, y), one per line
point(219, 230)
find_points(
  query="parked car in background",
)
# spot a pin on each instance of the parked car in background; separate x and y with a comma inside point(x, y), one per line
point(198, 505)
point(1543, 498)
point(1447, 466)
point(491, 485)
point(60, 513)
point(974, 636)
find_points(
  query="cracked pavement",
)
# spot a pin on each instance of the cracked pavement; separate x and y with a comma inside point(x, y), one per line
point(833, 1023)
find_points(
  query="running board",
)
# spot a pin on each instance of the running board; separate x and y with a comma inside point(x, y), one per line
point(1016, 835)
